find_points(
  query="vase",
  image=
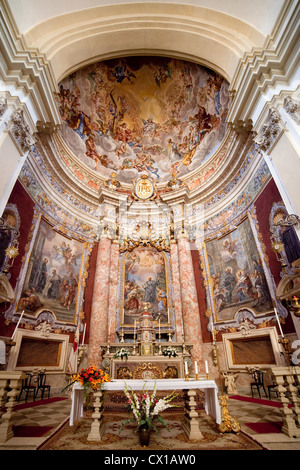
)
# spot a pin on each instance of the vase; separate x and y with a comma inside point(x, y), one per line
point(144, 435)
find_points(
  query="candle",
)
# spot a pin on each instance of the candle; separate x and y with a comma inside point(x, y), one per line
point(168, 315)
point(186, 368)
point(159, 327)
point(277, 318)
point(83, 336)
point(134, 329)
point(17, 325)
point(206, 367)
point(196, 368)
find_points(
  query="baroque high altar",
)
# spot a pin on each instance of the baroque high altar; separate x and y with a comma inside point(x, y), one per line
point(145, 320)
point(147, 357)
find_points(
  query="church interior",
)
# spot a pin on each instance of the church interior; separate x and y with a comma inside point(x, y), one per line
point(150, 220)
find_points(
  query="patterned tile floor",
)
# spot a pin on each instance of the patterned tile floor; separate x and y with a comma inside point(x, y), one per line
point(56, 413)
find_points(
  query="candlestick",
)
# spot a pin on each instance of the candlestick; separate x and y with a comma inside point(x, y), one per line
point(83, 335)
point(17, 325)
point(186, 371)
point(277, 318)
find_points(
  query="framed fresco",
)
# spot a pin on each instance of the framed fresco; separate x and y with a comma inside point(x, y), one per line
point(236, 274)
point(145, 282)
point(53, 274)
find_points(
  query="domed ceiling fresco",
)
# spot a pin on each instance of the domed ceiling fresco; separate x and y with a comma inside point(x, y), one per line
point(143, 115)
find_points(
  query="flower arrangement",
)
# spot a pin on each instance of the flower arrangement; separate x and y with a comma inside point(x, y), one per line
point(90, 378)
point(170, 352)
point(146, 408)
point(122, 352)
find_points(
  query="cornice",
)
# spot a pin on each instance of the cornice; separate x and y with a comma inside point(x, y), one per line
point(222, 167)
point(263, 70)
point(57, 182)
point(27, 71)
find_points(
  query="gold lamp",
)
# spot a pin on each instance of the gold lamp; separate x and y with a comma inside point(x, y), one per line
point(294, 305)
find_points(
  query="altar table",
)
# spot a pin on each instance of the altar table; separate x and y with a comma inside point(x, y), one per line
point(190, 422)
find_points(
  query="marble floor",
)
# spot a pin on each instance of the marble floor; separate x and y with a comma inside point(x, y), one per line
point(56, 414)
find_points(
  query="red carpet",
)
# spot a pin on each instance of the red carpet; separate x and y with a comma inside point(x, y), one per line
point(38, 403)
point(259, 401)
point(30, 431)
point(265, 428)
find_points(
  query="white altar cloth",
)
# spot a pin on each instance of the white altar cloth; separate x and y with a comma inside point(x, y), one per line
point(209, 387)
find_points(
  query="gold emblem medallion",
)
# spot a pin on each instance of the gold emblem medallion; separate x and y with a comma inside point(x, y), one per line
point(144, 188)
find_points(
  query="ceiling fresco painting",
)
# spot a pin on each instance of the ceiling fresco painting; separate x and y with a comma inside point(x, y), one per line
point(140, 115)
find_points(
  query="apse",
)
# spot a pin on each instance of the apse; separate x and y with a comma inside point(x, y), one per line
point(143, 115)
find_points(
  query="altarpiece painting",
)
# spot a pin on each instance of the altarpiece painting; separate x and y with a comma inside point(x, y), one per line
point(145, 283)
point(237, 274)
point(53, 273)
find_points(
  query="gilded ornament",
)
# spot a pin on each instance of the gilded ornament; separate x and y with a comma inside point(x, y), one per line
point(12, 252)
point(144, 189)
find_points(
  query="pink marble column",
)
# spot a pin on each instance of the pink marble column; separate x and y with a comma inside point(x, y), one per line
point(190, 309)
point(113, 291)
point(99, 312)
point(176, 291)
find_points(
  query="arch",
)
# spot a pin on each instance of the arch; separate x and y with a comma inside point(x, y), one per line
point(210, 37)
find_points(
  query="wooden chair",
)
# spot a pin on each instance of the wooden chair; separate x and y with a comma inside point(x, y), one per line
point(258, 383)
point(272, 389)
point(41, 385)
point(28, 387)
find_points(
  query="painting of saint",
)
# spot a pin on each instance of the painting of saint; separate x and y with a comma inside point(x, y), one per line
point(53, 273)
point(236, 273)
point(145, 284)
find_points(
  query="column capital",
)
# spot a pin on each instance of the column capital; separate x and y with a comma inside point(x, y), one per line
point(270, 132)
point(20, 131)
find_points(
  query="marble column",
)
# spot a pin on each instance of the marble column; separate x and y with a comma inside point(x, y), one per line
point(100, 302)
point(176, 291)
point(189, 302)
point(113, 291)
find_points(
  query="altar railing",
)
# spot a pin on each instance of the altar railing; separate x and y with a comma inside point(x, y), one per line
point(287, 381)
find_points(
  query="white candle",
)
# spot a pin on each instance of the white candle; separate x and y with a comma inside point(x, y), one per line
point(83, 336)
point(186, 368)
point(159, 327)
point(17, 325)
point(206, 367)
point(168, 316)
point(196, 368)
point(134, 329)
point(277, 318)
